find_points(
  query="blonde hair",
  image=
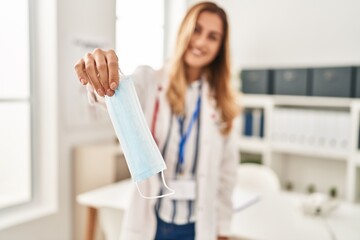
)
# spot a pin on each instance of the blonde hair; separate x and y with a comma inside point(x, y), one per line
point(217, 73)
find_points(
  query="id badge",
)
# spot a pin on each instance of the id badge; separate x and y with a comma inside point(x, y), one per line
point(184, 189)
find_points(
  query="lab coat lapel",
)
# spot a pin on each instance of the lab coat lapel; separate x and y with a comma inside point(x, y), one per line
point(205, 121)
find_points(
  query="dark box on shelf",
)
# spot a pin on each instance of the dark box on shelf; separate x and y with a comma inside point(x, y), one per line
point(332, 82)
point(357, 83)
point(291, 82)
point(256, 81)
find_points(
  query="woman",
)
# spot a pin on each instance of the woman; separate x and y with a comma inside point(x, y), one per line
point(190, 109)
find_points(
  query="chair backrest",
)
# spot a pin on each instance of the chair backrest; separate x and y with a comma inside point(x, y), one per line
point(258, 178)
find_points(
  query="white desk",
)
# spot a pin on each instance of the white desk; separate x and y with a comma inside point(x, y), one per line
point(273, 217)
point(109, 204)
point(279, 217)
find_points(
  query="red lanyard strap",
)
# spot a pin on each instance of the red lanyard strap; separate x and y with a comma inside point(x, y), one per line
point(154, 120)
point(154, 117)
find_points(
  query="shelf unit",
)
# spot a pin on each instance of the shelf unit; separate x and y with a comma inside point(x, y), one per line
point(252, 145)
point(341, 168)
point(309, 152)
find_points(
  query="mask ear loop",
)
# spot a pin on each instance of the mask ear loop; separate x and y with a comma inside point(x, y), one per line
point(161, 196)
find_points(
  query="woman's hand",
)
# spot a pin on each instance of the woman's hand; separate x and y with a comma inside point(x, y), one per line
point(100, 69)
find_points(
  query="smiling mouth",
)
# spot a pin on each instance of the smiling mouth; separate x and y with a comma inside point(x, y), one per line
point(197, 52)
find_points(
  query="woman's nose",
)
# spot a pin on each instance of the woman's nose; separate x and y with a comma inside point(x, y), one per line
point(200, 40)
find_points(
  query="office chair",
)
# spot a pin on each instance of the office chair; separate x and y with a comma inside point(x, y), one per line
point(257, 178)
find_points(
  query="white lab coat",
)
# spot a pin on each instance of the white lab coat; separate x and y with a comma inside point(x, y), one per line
point(216, 171)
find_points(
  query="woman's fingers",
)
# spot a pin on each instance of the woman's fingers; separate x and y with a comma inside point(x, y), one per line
point(113, 67)
point(100, 69)
point(92, 72)
point(80, 72)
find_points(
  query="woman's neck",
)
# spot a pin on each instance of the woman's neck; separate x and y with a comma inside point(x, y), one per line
point(193, 74)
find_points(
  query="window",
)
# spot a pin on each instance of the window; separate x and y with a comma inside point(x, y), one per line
point(140, 33)
point(15, 104)
point(28, 111)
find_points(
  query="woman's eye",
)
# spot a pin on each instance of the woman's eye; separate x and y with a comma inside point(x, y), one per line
point(213, 38)
point(197, 29)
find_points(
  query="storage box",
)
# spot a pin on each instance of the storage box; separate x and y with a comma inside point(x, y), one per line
point(357, 83)
point(256, 81)
point(332, 82)
point(291, 82)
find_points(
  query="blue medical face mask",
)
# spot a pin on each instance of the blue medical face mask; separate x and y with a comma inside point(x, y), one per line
point(141, 152)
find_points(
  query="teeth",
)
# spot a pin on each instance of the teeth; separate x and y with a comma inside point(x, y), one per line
point(197, 52)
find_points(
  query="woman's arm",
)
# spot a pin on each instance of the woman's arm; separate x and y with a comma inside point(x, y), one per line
point(99, 70)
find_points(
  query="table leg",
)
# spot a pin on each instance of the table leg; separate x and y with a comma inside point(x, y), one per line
point(90, 224)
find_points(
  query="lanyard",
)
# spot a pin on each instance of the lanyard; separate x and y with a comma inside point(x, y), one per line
point(154, 117)
point(184, 136)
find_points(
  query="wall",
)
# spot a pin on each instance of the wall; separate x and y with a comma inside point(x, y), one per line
point(174, 12)
point(280, 33)
point(76, 20)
